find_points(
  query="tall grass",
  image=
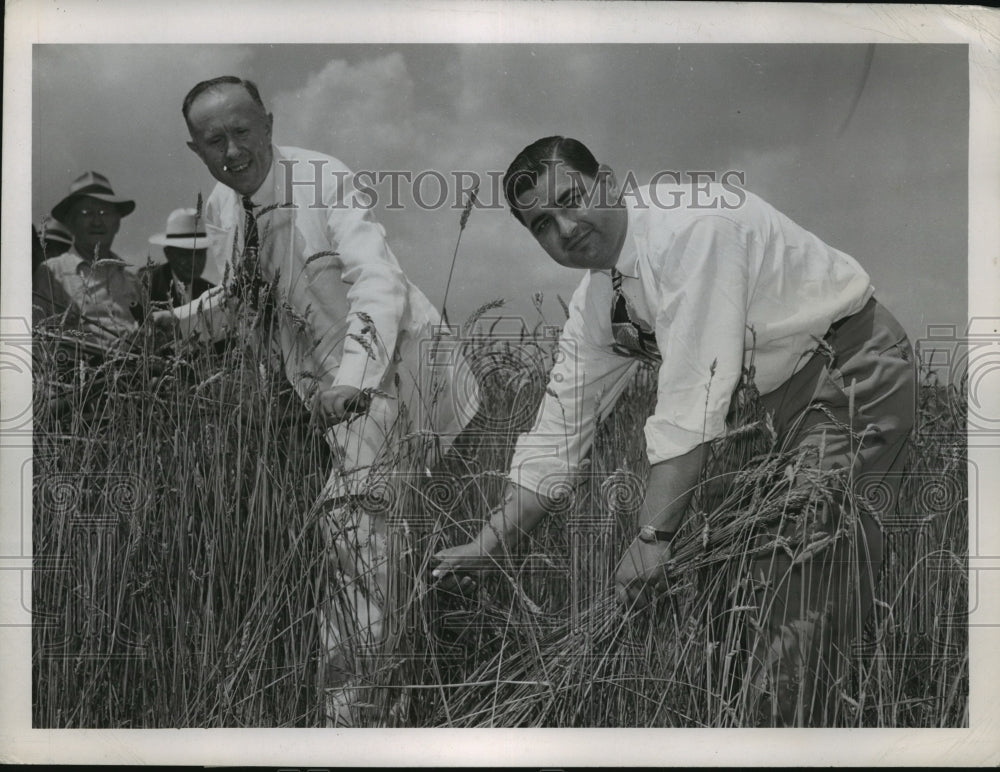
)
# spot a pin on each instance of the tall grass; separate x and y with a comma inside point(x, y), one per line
point(179, 566)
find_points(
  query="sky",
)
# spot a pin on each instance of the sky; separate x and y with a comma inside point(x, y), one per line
point(864, 145)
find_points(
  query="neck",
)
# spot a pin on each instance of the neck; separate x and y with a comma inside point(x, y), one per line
point(622, 233)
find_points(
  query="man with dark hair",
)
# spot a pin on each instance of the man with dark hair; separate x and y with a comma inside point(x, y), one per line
point(309, 265)
point(705, 294)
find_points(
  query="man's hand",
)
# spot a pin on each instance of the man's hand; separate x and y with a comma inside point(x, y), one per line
point(335, 404)
point(164, 321)
point(455, 564)
point(641, 572)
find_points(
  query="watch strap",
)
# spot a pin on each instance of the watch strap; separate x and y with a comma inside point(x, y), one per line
point(650, 535)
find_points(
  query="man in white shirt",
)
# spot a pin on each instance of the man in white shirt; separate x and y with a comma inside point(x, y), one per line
point(703, 282)
point(302, 252)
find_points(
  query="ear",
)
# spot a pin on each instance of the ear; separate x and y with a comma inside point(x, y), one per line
point(195, 149)
point(270, 125)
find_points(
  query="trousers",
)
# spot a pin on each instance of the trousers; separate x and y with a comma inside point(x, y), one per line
point(853, 405)
point(403, 434)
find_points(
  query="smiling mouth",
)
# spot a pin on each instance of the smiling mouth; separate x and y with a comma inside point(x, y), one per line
point(576, 242)
point(238, 169)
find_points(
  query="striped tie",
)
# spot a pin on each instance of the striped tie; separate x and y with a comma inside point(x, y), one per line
point(630, 339)
point(248, 282)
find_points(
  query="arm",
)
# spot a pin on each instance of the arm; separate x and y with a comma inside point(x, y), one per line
point(377, 295)
point(700, 330)
point(522, 510)
point(703, 296)
point(584, 384)
point(207, 316)
point(671, 484)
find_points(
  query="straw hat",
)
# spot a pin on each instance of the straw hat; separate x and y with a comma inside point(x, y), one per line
point(95, 185)
point(184, 230)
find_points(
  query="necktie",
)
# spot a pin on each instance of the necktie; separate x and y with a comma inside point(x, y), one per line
point(248, 280)
point(630, 339)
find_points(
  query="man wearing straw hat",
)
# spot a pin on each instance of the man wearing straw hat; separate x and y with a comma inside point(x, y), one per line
point(310, 270)
point(185, 246)
point(89, 284)
point(51, 239)
point(711, 286)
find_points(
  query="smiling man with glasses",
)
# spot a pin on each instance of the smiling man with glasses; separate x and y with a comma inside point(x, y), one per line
point(89, 286)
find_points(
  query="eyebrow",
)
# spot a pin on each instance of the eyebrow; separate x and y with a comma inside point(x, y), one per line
point(571, 190)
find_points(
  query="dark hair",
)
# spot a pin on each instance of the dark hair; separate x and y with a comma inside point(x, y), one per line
point(224, 80)
point(539, 156)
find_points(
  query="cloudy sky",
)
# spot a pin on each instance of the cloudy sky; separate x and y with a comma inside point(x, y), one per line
point(865, 145)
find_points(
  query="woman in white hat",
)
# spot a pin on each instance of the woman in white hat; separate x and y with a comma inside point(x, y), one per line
point(185, 245)
point(89, 285)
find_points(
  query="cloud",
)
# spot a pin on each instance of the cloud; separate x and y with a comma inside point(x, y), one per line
point(363, 113)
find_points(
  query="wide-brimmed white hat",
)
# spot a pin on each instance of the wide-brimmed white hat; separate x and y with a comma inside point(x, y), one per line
point(95, 185)
point(185, 230)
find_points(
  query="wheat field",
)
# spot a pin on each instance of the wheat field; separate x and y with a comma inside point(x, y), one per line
point(178, 564)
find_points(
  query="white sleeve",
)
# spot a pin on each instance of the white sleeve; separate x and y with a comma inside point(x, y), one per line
point(700, 331)
point(205, 316)
point(208, 315)
point(584, 384)
point(377, 295)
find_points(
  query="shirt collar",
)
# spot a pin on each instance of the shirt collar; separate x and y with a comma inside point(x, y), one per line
point(82, 265)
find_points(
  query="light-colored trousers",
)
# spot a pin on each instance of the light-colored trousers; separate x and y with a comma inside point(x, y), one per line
point(408, 428)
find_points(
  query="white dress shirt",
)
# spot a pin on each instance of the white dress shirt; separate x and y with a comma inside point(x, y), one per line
point(715, 286)
point(346, 313)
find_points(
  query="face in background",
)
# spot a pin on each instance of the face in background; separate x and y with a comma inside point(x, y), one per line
point(186, 264)
point(231, 134)
point(578, 220)
point(94, 225)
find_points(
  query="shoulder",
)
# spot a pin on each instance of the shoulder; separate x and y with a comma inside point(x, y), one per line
point(64, 263)
point(669, 214)
point(306, 174)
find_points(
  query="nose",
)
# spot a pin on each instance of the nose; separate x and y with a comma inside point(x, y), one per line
point(566, 225)
point(232, 148)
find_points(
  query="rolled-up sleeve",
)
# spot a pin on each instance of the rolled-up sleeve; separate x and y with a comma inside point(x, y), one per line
point(700, 331)
point(586, 380)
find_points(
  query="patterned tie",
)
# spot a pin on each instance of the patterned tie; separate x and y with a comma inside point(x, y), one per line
point(630, 339)
point(248, 282)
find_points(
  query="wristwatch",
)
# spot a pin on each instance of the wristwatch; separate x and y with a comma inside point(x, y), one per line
point(651, 535)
